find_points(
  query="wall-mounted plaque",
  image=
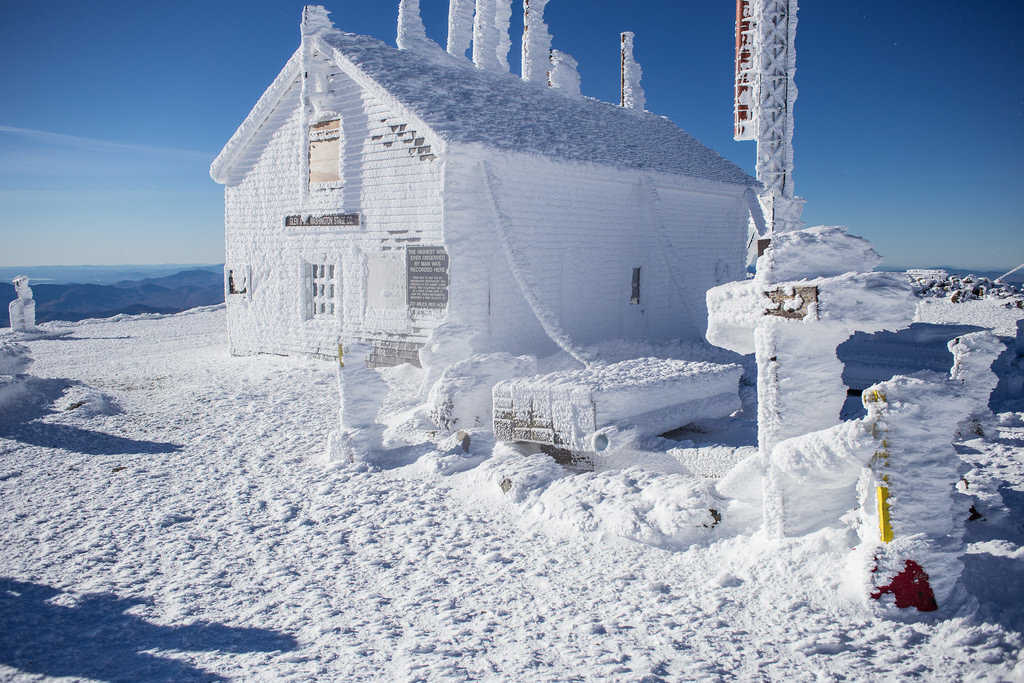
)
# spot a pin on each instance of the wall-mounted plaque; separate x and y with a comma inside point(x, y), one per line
point(334, 220)
point(427, 277)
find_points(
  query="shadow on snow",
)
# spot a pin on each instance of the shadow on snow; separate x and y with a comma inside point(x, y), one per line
point(54, 634)
point(20, 421)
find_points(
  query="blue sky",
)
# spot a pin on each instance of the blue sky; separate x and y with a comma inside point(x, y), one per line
point(910, 123)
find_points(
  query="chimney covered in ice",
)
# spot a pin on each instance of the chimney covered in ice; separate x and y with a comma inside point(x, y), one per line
point(411, 33)
point(460, 26)
point(536, 41)
point(314, 20)
point(632, 95)
point(490, 34)
point(564, 74)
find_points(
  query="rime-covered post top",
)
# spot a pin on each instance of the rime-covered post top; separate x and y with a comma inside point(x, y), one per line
point(490, 35)
point(632, 95)
point(412, 35)
point(564, 74)
point(460, 27)
point(536, 41)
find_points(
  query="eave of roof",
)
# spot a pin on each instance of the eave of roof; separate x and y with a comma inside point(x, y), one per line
point(220, 169)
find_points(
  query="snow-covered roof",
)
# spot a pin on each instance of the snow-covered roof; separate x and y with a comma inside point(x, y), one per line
point(463, 104)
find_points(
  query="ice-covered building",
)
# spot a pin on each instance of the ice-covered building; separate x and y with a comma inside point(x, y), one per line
point(386, 196)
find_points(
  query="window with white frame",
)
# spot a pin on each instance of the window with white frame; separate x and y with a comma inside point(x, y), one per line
point(325, 152)
point(321, 290)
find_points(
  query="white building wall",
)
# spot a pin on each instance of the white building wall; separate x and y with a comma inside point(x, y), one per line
point(583, 229)
point(389, 175)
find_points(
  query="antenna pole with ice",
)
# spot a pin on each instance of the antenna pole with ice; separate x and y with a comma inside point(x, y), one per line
point(765, 95)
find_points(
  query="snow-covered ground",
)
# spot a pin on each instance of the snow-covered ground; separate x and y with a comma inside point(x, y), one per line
point(164, 513)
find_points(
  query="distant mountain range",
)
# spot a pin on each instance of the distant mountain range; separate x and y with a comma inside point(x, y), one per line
point(76, 301)
point(100, 275)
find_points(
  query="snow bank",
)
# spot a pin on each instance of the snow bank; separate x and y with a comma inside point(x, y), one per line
point(671, 511)
point(1000, 316)
point(821, 251)
point(973, 357)
point(898, 467)
point(1009, 367)
point(85, 401)
point(15, 358)
point(461, 398)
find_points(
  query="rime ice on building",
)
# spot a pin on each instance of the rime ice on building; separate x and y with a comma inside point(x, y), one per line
point(377, 194)
point(411, 206)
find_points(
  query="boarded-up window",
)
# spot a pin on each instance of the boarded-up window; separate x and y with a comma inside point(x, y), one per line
point(385, 282)
point(324, 152)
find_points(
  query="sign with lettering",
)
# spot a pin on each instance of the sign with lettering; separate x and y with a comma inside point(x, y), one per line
point(334, 220)
point(427, 277)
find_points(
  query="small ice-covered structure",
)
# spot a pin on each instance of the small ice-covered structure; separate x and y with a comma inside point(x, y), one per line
point(391, 206)
point(375, 193)
point(23, 309)
point(586, 411)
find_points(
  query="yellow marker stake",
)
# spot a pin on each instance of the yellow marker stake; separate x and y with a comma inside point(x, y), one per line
point(883, 514)
point(341, 356)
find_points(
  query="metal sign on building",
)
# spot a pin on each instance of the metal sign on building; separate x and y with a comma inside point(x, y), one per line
point(334, 220)
point(426, 277)
point(744, 125)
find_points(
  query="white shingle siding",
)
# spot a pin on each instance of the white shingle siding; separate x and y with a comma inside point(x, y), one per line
point(584, 229)
point(580, 212)
point(396, 193)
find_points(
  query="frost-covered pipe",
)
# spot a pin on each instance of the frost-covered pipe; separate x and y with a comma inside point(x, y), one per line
point(411, 33)
point(492, 18)
point(460, 26)
point(503, 43)
point(521, 272)
point(564, 74)
point(632, 94)
point(536, 41)
point(315, 20)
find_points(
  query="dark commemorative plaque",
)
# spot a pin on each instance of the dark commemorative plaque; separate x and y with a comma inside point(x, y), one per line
point(427, 277)
point(334, 220)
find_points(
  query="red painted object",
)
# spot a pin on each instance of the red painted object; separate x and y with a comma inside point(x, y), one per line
point(910, 588)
